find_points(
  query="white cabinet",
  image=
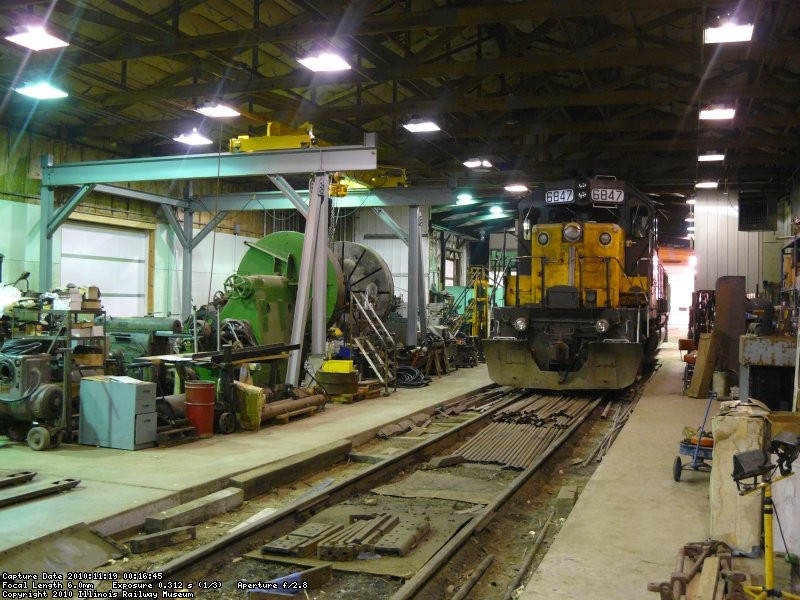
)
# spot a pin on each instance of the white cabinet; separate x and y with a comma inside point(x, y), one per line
point(117, 412)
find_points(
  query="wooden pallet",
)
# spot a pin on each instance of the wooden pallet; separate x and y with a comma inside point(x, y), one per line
point(175, 436)
point(370, 388)
point(307, 411)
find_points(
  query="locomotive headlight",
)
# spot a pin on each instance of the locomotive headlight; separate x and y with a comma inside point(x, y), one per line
point(605, 238)
point(521, 324)
point(572, 232)
point(543, 238)
point(601, 326)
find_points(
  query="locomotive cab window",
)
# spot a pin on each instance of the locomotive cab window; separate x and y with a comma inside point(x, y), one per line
point(640, 224)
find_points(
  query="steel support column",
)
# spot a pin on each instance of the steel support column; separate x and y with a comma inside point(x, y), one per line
point(319, 301)
point(414, 263)
point(423, 288)
point(186, 276)
point(47, 198)
point(303, 287)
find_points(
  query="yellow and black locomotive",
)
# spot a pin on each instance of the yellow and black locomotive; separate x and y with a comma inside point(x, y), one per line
point(585, 297)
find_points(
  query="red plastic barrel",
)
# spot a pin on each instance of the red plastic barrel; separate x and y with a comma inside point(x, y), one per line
point(200, 397)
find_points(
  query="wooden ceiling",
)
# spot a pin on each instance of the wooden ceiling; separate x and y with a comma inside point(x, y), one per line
point(542, 89)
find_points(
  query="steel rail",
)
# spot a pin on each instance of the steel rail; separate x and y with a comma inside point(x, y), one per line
point(285, 519)
point(414, 586)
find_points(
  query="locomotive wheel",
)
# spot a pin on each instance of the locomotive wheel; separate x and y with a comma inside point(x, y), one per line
point(226, 422)
point(38, 438)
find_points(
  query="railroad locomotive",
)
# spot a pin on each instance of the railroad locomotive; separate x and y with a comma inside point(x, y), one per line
point(585, 297)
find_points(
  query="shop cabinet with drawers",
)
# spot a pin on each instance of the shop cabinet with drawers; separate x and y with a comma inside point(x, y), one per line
point(117, 412)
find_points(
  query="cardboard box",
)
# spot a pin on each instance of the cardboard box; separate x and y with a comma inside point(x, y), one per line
point(92, 293)
point(88, 360)
point(65, 303)
point(91, 305)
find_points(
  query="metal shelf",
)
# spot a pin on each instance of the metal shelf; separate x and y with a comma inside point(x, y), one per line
point(63, 342)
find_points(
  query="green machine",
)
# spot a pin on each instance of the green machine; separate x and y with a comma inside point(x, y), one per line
point(263, 290)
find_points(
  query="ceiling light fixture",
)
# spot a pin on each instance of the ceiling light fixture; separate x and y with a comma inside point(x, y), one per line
point(36, 38)
point(717, 113)
point(690, 228)
point(41, 91)
point(477, 163)
point(217, 110)
point(495, 210)
point(464, 198)
point(417, 124)
point(706, 185)
point(689, 219)
point(193, 139)
point(324, 61)
point(728, 32)
point(690, 201)
point(710, 157)
point(516, 188)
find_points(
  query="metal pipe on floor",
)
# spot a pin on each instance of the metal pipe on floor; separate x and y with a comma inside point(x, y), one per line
point(465, 589)
point(284, 407)
point(526, 562)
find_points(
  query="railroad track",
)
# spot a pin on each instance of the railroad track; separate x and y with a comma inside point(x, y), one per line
point(509, 433)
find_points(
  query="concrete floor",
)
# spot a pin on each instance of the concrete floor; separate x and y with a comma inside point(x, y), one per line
point(118, 487)
point(632, 518)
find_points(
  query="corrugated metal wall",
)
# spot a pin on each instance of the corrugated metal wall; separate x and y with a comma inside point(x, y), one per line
point(372, 232)
point(722, 249)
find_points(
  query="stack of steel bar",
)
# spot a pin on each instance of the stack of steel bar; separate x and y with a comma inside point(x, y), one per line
point(481, 401)
point(524, 430)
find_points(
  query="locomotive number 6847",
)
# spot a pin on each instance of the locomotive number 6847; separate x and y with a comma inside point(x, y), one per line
point(585, 298)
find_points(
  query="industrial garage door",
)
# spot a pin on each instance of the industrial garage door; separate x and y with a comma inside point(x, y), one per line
point(115, 260)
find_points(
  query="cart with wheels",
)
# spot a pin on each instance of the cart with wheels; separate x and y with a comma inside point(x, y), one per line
point(700, 454)
point(699, 447)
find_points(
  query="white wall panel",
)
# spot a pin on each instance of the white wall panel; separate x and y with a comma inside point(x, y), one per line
point(720, 247)
point(115, 260)
point(19, 241)
point(227, 251)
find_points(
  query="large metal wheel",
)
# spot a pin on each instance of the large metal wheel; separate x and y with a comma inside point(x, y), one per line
point(280, 253)
point(677, 467)
point(38, 438)
point(365, 271)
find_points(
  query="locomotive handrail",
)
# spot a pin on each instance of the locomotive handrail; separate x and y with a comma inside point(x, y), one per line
point(509, 261)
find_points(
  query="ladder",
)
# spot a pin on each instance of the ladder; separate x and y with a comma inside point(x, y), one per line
point(378, 347)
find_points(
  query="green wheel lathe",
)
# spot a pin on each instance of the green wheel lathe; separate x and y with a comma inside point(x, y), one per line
point(263, 290)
